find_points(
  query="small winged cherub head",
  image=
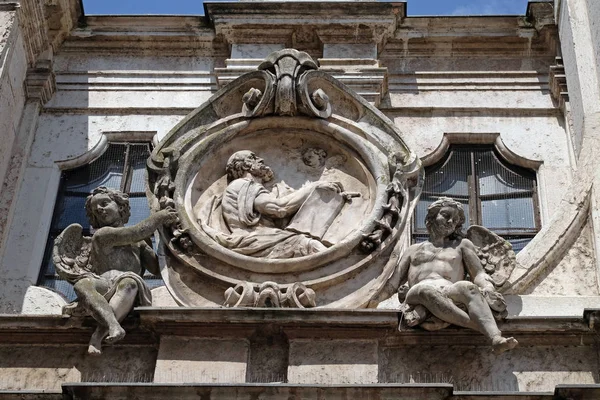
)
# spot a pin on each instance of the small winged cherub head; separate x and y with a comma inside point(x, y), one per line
point(107, 207)
point(445, 217)
point(314, 157)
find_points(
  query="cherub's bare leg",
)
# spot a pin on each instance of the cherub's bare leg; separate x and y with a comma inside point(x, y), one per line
point(95, 303)
point(121, 303)
point(95, 346)
point(480, 314)
point(439, 305)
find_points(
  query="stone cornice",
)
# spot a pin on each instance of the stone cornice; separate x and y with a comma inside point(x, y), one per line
point(283, 22)
point(148, 324)
point(308, 25)
point(138, 35)
point(431, 391)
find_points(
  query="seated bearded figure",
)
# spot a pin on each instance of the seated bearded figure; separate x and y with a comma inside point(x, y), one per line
point(431, 277)
point(251, 212)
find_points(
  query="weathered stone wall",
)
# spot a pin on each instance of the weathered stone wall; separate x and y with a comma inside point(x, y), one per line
point(578, 36)
point(297, 347)
point(435, 86)
point(13, 69)
point(13, 98)
point(47, 367)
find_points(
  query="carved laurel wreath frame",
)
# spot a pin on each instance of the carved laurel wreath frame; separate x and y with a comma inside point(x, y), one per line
point(286, 92)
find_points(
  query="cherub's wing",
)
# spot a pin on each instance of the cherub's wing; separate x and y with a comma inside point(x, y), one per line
point(496, 254)
point(71, 253)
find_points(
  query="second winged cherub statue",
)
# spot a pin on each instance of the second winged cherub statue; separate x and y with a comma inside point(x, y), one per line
point(106, 269)
point(443, 281)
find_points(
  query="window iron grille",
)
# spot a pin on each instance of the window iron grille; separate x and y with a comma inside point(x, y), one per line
point(497, 195)
point(123, 167)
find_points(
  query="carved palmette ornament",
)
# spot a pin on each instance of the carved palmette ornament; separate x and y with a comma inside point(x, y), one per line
point(269, 295)
point(287, 92)
point(284, 107)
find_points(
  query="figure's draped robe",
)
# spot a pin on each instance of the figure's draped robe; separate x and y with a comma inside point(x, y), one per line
point(253, 234)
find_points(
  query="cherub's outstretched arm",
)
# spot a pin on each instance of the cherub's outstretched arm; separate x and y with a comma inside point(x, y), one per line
point(123, 236)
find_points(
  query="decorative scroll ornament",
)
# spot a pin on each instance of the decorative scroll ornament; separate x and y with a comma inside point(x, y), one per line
point(285, 175)
point(285, 72)
point(269, 295)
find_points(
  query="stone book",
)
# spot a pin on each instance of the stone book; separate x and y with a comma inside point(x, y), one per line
point(317, 213)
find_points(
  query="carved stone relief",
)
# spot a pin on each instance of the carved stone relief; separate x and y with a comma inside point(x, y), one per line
point(283, 176)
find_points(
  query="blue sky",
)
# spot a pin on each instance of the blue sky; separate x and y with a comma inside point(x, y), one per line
point(415, 7)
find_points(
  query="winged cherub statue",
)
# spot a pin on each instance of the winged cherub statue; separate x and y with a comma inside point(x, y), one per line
point(443, 280)
point(106, 269)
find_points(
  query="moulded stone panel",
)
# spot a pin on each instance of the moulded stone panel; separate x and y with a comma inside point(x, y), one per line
point(593, 9)
point(201, 360)
point(119, 100)
point(411, 63)
point(550, 306)
point(66, 136)
point(333, 361)
point(527, 369)
point(42, 301)
point(575, 275)
point(8, 109)
point(337, 50)
point(162, 298)
point(580, 66)
point(7, 135)
point(480, 99)
point(7, 19)
point(254, 50)
point(28, 233)
point(531, 306)
point(47, 367)
point(17, 69)
point(173, 66)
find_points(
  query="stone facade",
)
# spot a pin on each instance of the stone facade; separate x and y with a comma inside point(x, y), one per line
point(529, 85)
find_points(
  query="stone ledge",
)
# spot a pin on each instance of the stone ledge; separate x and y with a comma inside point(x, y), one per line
point(286, 391)
point(30, 395)
point(58, 329)
point(147, 324)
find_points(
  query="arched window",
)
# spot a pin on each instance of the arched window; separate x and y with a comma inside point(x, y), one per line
point(123, 167)
point(500, 196)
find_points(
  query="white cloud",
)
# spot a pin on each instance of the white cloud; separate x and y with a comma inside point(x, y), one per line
point(492, 7)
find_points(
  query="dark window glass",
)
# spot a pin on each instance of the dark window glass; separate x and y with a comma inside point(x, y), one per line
point(495, 194)
point(121, 167)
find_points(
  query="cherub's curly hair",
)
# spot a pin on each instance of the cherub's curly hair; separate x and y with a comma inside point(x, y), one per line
point(122, 200)
point(318, 151)
point(435, 207)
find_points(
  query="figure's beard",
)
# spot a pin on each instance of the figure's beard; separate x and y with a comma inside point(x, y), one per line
point(263, 172)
